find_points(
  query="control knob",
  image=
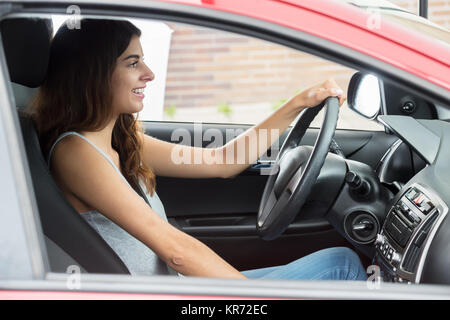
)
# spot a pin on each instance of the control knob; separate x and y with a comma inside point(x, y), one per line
point(358, 185)
point(379, 241)
point(396, 258)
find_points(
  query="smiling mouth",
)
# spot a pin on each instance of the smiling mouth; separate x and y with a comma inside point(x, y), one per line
point(139, 92)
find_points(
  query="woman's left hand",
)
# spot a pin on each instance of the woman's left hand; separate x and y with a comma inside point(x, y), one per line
point(315, 95)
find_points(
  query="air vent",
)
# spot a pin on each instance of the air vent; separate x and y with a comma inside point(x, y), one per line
point(411, 257)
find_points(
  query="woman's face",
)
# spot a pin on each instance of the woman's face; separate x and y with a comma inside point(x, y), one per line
point(129, 79)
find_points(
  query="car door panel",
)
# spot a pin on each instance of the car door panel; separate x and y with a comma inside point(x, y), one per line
point(222, 212)
point(251, 252)
point(354, 143)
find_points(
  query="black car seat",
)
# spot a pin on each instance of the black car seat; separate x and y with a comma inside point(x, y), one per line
point(70, 240)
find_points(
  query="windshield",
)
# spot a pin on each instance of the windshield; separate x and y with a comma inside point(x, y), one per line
point(394, 13)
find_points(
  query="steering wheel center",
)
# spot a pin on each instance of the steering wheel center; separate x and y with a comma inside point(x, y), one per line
point(292, 162)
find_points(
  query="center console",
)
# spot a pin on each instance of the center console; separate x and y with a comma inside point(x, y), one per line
point(411, 223)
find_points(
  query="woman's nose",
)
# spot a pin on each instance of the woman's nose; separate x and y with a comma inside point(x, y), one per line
point(148, 75)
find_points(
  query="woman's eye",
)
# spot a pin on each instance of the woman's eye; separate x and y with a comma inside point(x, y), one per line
point(134, 64)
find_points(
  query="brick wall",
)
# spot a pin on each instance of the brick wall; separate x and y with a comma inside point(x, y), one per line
point(209, 69)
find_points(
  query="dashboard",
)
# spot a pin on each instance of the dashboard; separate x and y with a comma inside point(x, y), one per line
point(408, 231)
point(413, 245)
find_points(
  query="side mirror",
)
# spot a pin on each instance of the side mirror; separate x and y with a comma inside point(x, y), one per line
point(364, 95)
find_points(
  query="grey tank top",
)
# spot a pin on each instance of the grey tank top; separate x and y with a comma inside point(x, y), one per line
point(139, 259)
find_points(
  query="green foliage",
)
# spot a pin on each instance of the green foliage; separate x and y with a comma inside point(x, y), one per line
point(225, 108)
point(278, 104)
point(171, 110)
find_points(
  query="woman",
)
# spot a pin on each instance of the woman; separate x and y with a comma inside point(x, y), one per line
point(84, 116)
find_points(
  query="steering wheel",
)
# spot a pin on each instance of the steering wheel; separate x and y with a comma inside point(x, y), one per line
point(295, 171)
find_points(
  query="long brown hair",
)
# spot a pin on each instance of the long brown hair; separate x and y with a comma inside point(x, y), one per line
point(76, 93)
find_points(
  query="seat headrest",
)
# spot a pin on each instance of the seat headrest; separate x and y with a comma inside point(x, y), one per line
point(26, 42)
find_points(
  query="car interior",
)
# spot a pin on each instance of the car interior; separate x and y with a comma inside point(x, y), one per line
point(375, 192)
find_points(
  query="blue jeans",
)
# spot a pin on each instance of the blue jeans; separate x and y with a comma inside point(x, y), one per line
point(338, 263)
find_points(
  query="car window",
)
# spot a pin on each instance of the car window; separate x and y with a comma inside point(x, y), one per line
point(207, 75)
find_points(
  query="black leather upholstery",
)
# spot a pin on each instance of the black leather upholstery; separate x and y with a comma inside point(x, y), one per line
point(27, 49)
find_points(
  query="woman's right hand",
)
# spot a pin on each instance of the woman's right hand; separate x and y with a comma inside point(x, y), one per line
point(314, 95)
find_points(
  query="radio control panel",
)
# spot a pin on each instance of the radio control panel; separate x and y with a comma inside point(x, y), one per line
point(410, 225)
